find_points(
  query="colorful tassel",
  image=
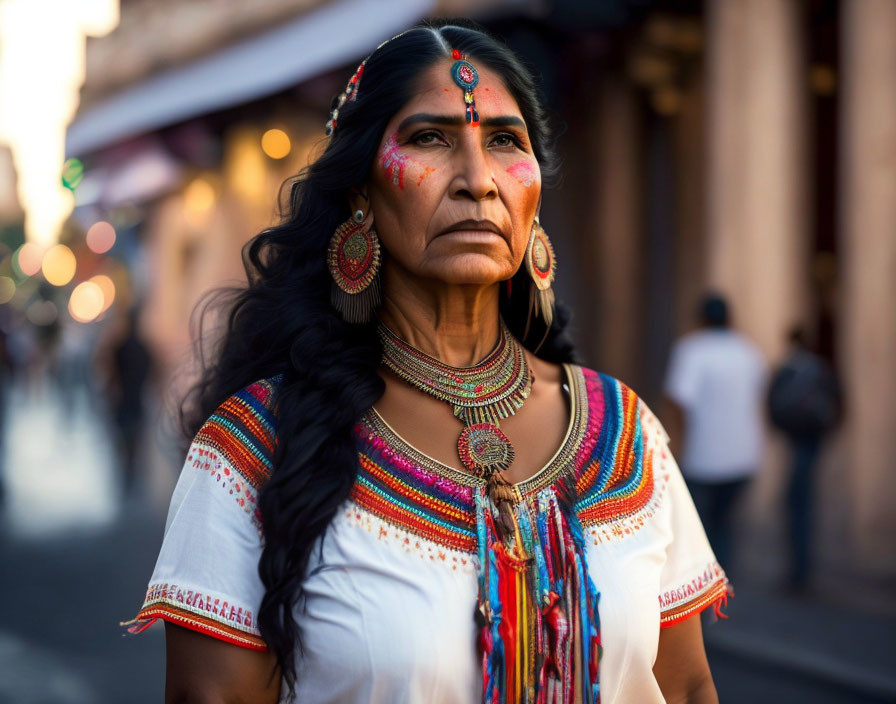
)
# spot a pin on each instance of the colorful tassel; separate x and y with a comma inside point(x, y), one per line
point(540, 632)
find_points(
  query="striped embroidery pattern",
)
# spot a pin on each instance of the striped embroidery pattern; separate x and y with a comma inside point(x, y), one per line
point(412, 492)
point(617, 480)
point(242, 431)
point(404, 494)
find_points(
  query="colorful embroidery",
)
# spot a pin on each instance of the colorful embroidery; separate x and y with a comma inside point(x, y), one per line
point(605, 445)
point(428, 550)
point(618, 479)
point(242, 431)
point(208, 460)
point(710, 587)
point(401, 492)
point(201, 612)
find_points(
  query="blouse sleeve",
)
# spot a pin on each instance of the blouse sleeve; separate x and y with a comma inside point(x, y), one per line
point(691, 579)
point(206, 576)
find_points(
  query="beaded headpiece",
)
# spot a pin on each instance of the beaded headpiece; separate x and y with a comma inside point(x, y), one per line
point(349, 94)
point(466, 76)
point(351, 90)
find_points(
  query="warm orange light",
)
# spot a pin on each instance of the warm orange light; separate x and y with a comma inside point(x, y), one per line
point(86, 302)
point(7, 289)
point(28, 258)
point(59, 265)
point(199, 196)
point(275, 143)
point(100, 237)
point(107, 287)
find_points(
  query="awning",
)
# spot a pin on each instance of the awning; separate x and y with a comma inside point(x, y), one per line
point(327, 37)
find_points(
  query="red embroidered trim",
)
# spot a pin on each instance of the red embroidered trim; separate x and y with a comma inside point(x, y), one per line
point(187, 619)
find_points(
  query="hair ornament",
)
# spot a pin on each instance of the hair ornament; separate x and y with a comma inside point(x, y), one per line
point(349, 94)
point(351, 90)
point(466, 76)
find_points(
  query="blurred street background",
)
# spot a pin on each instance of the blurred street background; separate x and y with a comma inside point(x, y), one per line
point(742, 146)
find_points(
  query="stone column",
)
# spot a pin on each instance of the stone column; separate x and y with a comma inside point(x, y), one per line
point(867, 339)
point(757, 244)
point(617, 253)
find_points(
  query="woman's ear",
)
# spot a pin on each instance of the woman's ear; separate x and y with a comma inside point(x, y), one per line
point(358, 200)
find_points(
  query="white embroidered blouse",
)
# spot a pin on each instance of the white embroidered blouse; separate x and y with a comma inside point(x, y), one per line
point(388, 611)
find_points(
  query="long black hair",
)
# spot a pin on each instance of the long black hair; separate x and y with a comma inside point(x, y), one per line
point(283, 322)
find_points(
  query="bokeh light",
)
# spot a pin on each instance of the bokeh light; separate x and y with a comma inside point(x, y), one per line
point(7, 289)
point(107, 287)
point(86, 302)
point(72, 173)
point(42, 313)
point(100, 237)
point(199, 199)
point(275, 143)
point(28, 258)
point(59, 265)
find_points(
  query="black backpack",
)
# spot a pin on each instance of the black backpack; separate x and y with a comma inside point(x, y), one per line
point(804, 396)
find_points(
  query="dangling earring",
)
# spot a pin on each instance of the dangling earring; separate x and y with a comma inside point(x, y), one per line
point(541, 263)
point(354, 260)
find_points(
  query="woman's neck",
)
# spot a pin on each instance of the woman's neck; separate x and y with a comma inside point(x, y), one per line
point(456, 324)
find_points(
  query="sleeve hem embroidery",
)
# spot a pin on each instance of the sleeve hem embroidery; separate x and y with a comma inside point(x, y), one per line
point(210, 627)
point(710, 587)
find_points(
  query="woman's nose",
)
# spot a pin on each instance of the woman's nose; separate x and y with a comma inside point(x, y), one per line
point(475, 174)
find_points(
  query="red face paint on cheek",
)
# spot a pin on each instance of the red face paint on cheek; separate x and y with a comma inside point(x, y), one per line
point(523, 171)
point(393, 161)
point(427, 170)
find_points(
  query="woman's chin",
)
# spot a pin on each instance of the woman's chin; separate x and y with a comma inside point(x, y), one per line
point(471, 270)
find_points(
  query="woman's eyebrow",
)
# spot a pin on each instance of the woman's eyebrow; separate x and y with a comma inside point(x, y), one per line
point(458, 120)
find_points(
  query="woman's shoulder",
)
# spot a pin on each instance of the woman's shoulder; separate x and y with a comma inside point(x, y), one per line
point(242, 431)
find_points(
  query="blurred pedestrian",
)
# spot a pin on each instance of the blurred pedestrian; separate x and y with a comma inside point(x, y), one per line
point(132, 368)
point(715, 382)
point(805, 404)
point(5, 382)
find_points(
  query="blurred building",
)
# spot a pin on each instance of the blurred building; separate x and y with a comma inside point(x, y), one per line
point(744, 145)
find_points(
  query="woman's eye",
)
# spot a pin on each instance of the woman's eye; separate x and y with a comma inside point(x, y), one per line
point(425, 138)
point(505, 139)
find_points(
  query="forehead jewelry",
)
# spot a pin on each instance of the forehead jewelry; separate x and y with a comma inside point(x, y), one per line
point(465, 75)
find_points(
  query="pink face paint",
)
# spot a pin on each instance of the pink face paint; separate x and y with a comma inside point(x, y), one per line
point(427, 170)
point(523, 171)
point(393, 161)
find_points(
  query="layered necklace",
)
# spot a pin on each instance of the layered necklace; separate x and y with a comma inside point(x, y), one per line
point(481, 395)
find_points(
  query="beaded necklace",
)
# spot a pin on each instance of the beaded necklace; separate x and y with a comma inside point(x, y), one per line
point(480, 395)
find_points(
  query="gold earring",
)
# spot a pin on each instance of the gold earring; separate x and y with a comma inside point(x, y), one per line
point(354, 259)
point(541, 263)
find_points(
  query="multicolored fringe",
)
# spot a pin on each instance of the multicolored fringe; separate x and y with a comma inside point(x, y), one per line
point(539, 623)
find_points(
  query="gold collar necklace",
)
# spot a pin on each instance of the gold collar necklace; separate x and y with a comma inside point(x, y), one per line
point(480, 395)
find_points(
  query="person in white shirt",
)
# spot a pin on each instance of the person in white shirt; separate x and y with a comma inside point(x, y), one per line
point(716, 382)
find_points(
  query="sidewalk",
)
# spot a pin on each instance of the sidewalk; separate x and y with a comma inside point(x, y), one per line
point(850, 653)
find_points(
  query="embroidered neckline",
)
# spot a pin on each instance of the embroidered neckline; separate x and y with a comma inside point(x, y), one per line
point(558, 464)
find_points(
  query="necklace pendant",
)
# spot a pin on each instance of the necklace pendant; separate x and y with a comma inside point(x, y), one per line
point(484, 449)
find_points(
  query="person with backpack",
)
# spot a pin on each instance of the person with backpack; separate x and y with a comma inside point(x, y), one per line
point(805, 404)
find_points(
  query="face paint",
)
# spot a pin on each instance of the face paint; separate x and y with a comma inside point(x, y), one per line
point(523, 171)
point(393, 161)
point(427, 170)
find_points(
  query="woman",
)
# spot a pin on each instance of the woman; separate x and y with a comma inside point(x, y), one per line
point(410, 492)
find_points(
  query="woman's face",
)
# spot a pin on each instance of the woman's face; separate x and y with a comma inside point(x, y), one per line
point(451, 202)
